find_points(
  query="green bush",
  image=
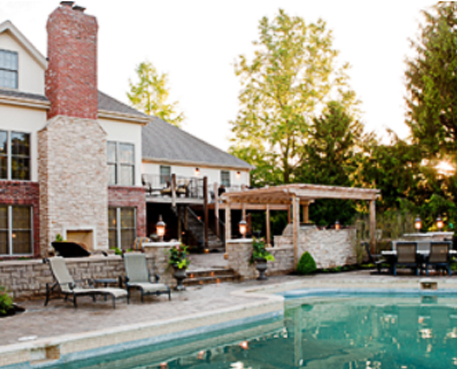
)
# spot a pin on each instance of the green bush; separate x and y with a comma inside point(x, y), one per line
point(306, 265)
point(6, 302)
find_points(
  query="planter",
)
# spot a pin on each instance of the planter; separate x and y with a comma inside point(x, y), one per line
point(179, 275)
point(13, 311)
point(261, 266)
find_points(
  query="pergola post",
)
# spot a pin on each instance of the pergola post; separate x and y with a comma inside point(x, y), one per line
point(296, 226)
point(205, 209)
point(373, 226)
point(306, 213)
point(228, 222)
point(216, 208)
point(289, 215)
point(179, 224)
point(267, 215)
point(243, 211)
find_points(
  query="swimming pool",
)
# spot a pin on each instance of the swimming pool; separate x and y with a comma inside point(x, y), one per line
point(319, 329)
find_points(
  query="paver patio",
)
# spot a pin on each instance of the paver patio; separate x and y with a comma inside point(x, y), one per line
point(60, 318)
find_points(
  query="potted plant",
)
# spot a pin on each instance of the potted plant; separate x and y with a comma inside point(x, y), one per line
point(260, 256)
point(179, 260)
point(7, 307)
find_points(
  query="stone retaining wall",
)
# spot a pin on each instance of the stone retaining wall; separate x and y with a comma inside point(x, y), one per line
point(28, 278)
point(240, 251)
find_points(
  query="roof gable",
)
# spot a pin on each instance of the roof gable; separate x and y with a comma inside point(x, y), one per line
point(8, 26)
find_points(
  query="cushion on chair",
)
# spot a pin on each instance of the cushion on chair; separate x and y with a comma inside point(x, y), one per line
point(150, 287)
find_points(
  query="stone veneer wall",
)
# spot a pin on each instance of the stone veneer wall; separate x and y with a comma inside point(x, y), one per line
point(28, 278)
point(240, 251)
point(122, 196)
point(24, 193)
point(72, 172)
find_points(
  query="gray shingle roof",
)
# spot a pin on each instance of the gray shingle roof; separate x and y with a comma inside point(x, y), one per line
point(109, 103)
point(23, 95)
point(163, 141)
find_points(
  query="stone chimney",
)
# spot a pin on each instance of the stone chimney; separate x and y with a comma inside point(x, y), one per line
point(72, 161)
point(71, 77)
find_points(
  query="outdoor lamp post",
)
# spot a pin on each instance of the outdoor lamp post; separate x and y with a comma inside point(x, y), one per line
point(439, 223)
point(160, 228)
point(337, 225)
point(243, 227)
point(418, 223)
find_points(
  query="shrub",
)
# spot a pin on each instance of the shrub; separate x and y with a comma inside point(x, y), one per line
point(306, 265)
point(259, 251)
point(6, 302)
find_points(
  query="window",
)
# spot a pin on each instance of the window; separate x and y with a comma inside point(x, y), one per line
point(14, 155)
point(225, 178)
point(8, 69)
point(121, 164)
point(15, 230)
point(165, 174)
point(121, 227)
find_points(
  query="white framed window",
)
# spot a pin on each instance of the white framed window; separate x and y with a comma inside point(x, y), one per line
point(121, 226)
point(8, 69)
point(165, 174)
point(14, 155)
point(16, 230)
point(225, 178)
point(121, 163)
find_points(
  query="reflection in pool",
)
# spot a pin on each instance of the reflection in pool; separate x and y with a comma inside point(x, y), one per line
point(323, 333)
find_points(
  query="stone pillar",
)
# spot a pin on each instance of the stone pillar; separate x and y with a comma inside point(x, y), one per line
point(158, 252)
point(239, 253)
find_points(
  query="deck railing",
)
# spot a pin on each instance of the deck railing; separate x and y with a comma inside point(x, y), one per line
point(171, 185)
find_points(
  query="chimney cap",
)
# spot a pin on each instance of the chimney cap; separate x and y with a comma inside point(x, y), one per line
point(67, 3)
point(79, 8)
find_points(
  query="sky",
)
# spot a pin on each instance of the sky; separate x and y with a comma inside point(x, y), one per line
point(198, 42)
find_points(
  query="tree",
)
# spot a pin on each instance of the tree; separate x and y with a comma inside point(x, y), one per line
point(431, 80)
point(333, 140)
point(150, 94)
point(293, 74)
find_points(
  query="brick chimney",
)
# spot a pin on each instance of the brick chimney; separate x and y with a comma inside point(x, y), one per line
point(71, 77)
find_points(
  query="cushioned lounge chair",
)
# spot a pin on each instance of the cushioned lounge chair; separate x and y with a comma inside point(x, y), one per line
point(67, 285)
point(137, 277)
point(439, 256)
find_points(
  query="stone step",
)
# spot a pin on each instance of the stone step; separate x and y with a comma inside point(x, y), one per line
point(210, 280)
point(209, 273)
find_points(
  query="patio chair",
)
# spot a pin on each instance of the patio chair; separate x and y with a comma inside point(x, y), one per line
point(406, 256)
point(439, 256)
point(138, 277)
point(67, 285)
point(377, 259)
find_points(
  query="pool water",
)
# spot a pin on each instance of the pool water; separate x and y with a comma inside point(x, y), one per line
point(316, 332)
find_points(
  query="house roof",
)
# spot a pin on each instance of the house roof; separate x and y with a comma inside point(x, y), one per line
point(109, 103)
point(168, 144)
point(22, 95)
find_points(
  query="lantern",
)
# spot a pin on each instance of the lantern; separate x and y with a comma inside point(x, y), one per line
point(337, 225)
point(418, 224)
point(197, 172)
point(243, 227)
point(160, 228)
point(238, 175)
point(439, 223)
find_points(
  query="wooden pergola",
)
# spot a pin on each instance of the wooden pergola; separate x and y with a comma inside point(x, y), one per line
point(297, 195)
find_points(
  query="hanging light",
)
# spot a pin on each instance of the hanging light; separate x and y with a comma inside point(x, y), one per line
point(160, 228)
point(243, 227)
point(439, 223)
point(197, 172)
point(238, 175)
point(337, 225)
point(418, 223)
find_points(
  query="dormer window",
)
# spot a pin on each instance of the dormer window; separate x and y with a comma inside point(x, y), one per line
point(8, 69)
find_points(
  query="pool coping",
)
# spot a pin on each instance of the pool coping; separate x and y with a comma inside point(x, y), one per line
point(268, 302)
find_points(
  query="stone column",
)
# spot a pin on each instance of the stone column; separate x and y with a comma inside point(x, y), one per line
point(239, 253)
point(157, 253)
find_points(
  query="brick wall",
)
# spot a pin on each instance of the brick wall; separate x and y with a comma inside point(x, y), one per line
point(71, 77)
point(123, 196)
point(28, 278)
point(24, 193)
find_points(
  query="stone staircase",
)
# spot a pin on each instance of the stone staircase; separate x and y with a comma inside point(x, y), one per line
point(210, 276)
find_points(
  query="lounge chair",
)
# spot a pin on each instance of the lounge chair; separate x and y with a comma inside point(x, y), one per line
point(67, 285)
point(406, 256)
point(137, 277)
point(439, 256)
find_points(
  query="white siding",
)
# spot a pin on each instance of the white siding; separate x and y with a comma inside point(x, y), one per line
point(18, 119)
point(128, 133)
point(213, 174)
point(30, 73)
